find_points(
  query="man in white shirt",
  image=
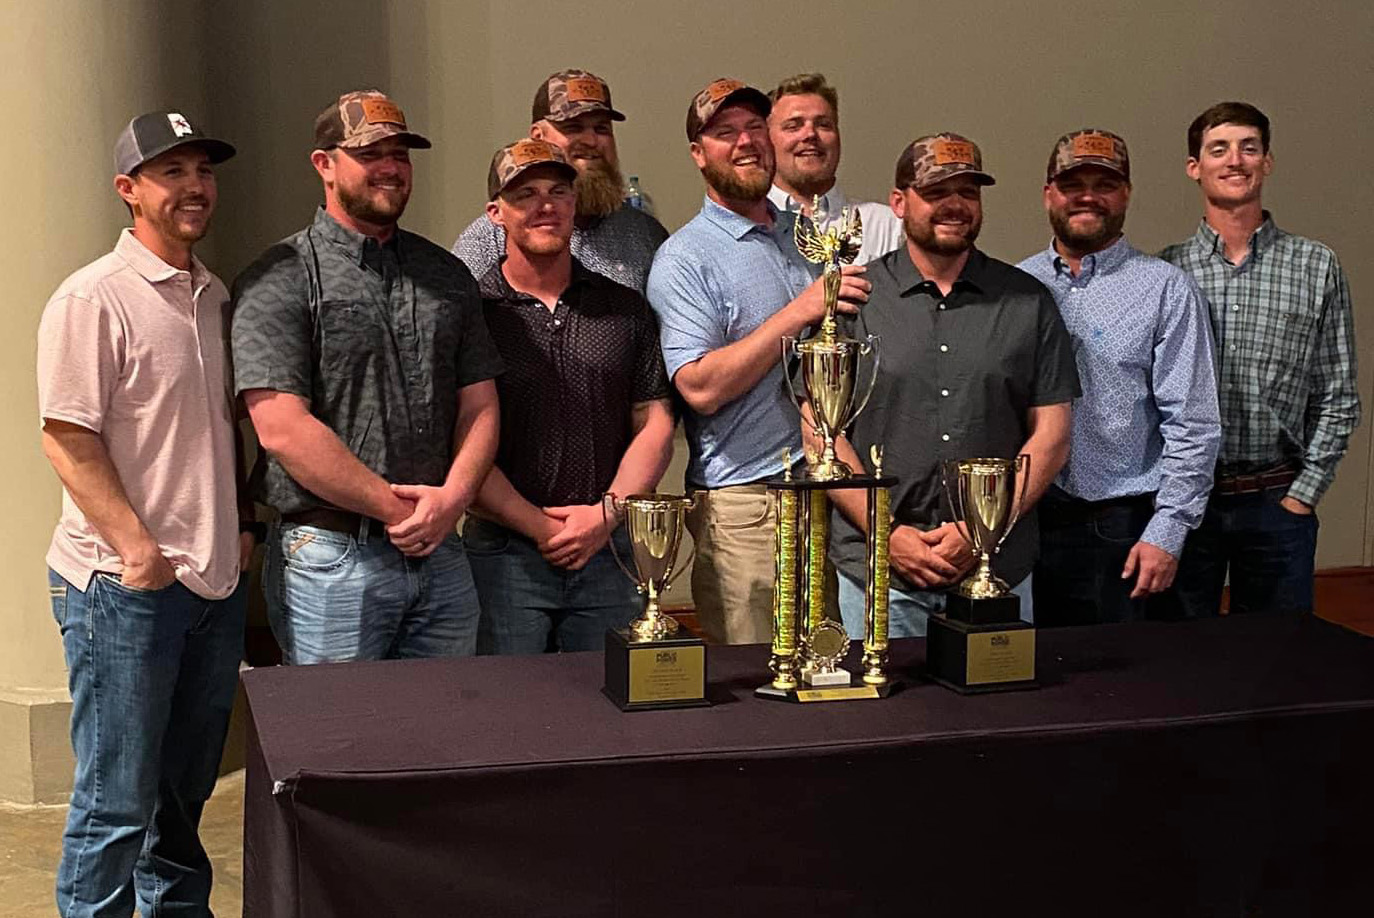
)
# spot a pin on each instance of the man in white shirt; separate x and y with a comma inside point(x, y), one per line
point(805, 129)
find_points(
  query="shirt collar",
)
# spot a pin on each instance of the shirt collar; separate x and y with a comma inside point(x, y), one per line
point(494, 286)
point(736, 225)
point(1209, 240)
point(834, 201)
point(1108, 259)
point(354, 243)
point(151, 267)
point(909, 277)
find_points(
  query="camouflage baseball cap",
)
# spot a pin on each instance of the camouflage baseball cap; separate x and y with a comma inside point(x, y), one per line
point(362, 118)
point(1089, 147)
point(716, 96)
point(514, 158)
point(934, 158)
point(569, 93)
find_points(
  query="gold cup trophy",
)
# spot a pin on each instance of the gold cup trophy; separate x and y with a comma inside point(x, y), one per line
point(979, 643)
point(649, 664)
point(808, 648)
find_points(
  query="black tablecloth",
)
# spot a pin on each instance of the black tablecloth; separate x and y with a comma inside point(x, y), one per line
point(1223, 767)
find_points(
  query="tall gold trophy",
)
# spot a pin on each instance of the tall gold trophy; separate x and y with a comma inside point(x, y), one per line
point(649, 664)
point(979, 643)
point(808, 648)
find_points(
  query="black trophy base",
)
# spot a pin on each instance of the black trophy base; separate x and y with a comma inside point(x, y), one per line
point(1002, 610)
point(655, 675)
point(806, 694)
point(973, 659)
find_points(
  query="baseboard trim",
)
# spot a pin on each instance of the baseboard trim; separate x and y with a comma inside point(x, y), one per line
point(35, 746)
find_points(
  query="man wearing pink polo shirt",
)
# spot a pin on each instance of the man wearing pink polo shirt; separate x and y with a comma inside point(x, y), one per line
point(134, 392)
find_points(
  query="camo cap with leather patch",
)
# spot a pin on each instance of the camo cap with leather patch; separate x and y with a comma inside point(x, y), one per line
point(936, 157)
point(515, 158)
point(1089, 147)
point(362, 118)
point(716, 96)
point(569, 93)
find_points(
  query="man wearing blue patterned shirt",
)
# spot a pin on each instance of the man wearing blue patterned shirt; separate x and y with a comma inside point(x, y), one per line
point(727, 288)
point(1146, 430)
point(1280, 311)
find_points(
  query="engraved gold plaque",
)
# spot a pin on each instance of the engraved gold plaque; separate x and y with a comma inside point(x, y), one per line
point(1000, 656)
point(666, 673)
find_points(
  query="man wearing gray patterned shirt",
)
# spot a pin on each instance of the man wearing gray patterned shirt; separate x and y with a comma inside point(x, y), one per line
point(1145, 431)
point(361, 353)
point(572, 110)
point(1280, 309)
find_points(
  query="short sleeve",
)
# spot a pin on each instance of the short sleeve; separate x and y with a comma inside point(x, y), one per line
point(81, 350)
point(478, 359)
point(650, 380)
point(690, 325)
point(271, 329)
point(1056, 371)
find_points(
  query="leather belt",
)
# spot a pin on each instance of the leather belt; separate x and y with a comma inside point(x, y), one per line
point(333, 520)
point(1254, 482)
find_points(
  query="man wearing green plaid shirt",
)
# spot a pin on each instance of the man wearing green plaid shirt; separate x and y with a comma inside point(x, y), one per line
point(1285, 338)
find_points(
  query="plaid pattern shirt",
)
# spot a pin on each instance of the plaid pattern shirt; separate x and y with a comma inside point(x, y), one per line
point(1285, 352)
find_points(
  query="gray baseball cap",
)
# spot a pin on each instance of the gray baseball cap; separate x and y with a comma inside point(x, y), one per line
point(155, 133)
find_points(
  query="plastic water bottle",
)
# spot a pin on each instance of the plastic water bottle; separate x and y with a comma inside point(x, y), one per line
point(636, 198)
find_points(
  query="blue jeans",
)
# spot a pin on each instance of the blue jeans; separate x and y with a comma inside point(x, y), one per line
point(1083, 549)
point(333, 597)
point(532, 606)
point(1269, 552)
point(907, 613)
point(152, 676)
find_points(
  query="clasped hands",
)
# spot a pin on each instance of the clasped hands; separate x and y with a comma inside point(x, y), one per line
point(930, 559)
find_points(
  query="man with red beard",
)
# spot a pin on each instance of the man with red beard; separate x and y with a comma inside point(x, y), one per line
point(1146, 431)
point(1285, 333)
point(727, 288)
point(367, 370)
point(584, 411)
point(572, 110)
point(804, 126)
point(975, 362)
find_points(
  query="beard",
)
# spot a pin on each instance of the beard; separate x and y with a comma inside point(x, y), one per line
point(600, 189)
point(169, 225)
point(752, 186)
point(381, 210)
point(922, 234)
point(809, 182)
point(1108, 228)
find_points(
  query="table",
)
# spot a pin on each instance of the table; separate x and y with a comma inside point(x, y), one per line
point(1221, 767)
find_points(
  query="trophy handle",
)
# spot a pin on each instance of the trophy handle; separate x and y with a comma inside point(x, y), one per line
point(1023, 464)
point(789, 346)
point(869, 347)
point(692, 505)
point(956, 499)
point(605, 498)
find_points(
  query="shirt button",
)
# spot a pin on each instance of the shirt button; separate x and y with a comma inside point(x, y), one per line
point(944, 392)
point(1235, 308)
point(941, 306)
point(557, 322)
point(944, 437)
point(944, 348)
point(1233, 347)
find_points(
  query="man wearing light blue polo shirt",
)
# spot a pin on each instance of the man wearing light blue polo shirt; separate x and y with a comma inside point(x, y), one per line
point(727, 288)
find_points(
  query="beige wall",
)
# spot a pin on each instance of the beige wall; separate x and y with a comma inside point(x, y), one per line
point(1012, 76)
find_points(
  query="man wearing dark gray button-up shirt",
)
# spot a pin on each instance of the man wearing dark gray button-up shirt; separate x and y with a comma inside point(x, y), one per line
point(362, 355)
point(975, 362)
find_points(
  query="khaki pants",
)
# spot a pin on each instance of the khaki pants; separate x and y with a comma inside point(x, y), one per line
point(732, 576)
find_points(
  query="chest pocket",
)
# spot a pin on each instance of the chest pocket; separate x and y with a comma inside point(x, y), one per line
point(351, 337)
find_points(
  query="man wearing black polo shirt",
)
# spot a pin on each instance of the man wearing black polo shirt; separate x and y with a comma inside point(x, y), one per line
point(584, 411)
point(360, 351)
point(975, 362)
